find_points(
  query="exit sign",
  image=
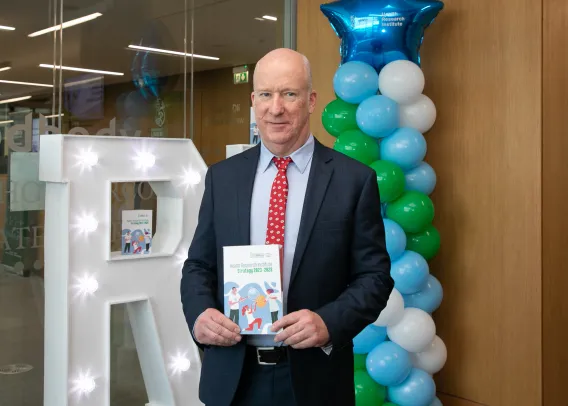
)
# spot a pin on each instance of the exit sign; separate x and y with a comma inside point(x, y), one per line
point(240, 77)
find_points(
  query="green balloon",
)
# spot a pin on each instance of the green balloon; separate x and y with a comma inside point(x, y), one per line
point(339, 116)
point(357, 145)
point(389, 404)
point(367, 391)
point(360, 361)
point(413, 211)
point(426, 242)
point(391, 180)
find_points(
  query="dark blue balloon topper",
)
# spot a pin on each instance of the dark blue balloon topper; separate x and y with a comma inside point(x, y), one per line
point(381, 31)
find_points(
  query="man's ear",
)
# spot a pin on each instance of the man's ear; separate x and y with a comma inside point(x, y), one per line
point(312, 101)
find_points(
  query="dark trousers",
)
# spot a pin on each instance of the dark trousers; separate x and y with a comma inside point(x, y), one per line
point(274, 316)
point(262, 385)
point(234, 315)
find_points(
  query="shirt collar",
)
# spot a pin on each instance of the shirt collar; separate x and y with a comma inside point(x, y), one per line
point(301, 157)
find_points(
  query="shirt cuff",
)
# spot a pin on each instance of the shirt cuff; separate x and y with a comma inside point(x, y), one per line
point(327, 349)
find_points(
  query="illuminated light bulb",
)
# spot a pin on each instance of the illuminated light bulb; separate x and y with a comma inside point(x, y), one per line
point(145, 160)
point(88, 159)
point(192, 177)
point(88, 224)
point(180, 363)
point(87, 285)
point(84, 384)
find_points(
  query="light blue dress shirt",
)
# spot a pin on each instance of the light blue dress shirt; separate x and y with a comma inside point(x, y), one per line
point(298, 173)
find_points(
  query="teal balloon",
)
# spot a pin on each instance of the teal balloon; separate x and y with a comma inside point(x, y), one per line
point(339, 116)
point(360, 362)
point(367, 391)
point(357, 145)
point(426, 243)
point(390, 179)
point(413, 211)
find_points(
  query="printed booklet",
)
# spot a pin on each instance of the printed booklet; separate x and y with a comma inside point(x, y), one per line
point(136, 232)
point(253, 286)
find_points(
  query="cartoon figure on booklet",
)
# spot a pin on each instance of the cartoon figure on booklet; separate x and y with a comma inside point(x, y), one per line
point(249, 311)
point(137, 248)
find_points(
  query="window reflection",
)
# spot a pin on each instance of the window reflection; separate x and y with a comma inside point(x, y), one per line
point(142, 68)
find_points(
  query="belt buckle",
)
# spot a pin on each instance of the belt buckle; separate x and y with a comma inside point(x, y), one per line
point(258, 356)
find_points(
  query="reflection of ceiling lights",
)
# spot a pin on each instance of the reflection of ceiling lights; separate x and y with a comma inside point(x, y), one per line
point(15, 99)
point(5, 68)
point(270, 18)
point(6, 28)
point(104, 72)
point(13, 82)
point(55, 115)
point(6, 122)
point(168, 52)
point(66, 24)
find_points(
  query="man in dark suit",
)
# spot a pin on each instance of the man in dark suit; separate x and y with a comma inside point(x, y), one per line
point(336, 269)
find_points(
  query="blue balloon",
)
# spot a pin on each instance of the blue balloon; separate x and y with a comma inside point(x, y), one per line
point(369, 338)
point(377, 116)
point(427, 299)
point(421, 179)
point(388, 364)
point(436, 402)
point(406, 147)
point(418, 389)
point(395, 239)
point(410, 273)
point(355, 81)
point(381, 31)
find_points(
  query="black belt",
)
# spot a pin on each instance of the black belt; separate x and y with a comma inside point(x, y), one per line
point(268, 355)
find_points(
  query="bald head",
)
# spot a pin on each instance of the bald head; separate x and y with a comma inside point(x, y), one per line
point(284, 57)
point(283, 100)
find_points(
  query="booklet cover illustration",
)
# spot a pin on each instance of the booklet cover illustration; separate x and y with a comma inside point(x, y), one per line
point(253, 291)
point(136, 232)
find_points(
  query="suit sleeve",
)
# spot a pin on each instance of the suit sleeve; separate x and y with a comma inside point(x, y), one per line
point(199, 272)
point(371, 284)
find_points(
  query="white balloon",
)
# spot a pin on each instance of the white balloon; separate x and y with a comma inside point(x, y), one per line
point(393, 312)
point(420, 115)
point(414, 332)
point(402, 81)
point(433, 359)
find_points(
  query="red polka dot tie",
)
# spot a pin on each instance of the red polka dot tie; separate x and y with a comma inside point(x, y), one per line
point(277, 208)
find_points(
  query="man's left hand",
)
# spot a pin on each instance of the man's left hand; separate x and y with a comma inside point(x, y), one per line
point(302, 329)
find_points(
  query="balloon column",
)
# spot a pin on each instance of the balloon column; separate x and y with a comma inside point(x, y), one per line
point(379, 117)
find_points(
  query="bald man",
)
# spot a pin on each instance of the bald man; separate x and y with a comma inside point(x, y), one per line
point(336, 270)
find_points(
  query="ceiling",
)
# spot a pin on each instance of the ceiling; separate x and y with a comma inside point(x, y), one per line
point(226, 29)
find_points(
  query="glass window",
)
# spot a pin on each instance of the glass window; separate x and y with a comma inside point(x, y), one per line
point(127, 68)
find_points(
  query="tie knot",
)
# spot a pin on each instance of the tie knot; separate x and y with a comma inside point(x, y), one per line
point(282, 163)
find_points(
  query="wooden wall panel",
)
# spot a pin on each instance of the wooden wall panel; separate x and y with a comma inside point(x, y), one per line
point(448, 400)
point(555, 196)
point(482, 62)
point(316, 40)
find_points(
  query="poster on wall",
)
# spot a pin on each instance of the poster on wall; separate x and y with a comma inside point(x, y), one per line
point(254, 134)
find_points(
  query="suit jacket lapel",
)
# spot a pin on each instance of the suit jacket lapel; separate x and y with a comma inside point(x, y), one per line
point(320, 175)
point(244, 183)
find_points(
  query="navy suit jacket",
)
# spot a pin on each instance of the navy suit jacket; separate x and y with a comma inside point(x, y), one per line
point(341, 270)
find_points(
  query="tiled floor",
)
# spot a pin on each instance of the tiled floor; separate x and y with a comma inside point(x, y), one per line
point(21, 342)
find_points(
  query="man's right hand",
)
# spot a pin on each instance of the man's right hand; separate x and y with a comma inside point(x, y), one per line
point(214, 328)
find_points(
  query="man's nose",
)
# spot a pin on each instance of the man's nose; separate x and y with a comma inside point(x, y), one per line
point(276, 105)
